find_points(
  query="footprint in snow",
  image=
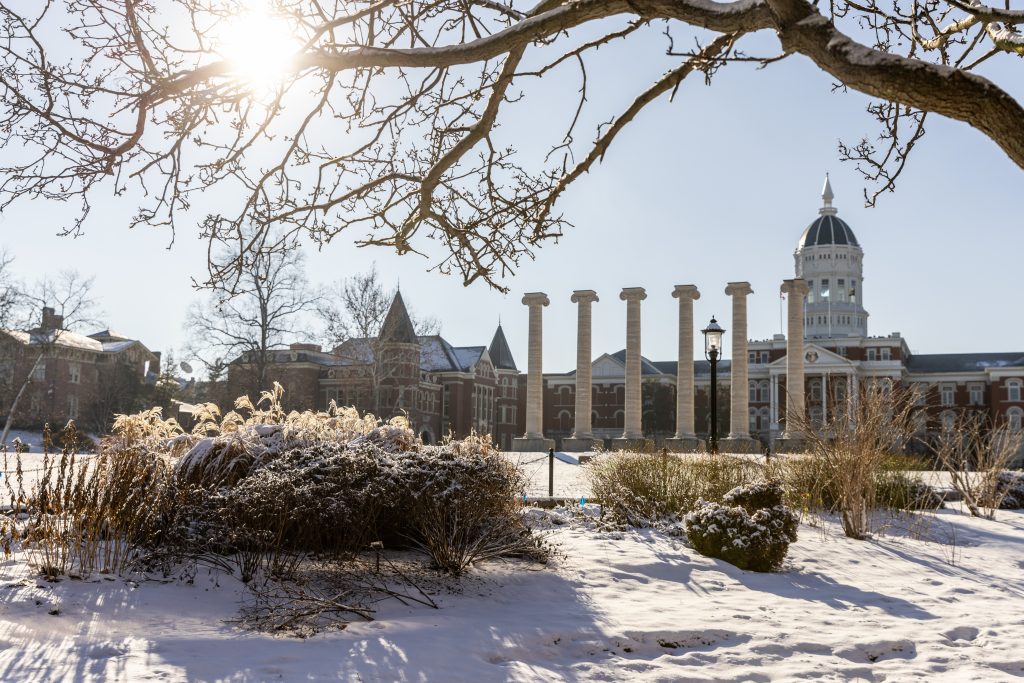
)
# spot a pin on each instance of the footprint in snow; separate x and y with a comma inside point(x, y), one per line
point(961, 633)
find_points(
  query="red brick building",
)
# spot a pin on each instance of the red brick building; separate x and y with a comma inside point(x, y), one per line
point(441, 388)
point(73, 376)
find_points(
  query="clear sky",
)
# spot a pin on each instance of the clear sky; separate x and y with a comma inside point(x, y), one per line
point(715, 187)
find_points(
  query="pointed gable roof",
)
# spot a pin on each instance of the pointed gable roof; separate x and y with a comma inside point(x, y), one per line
point(500, 353)
point(397, 327)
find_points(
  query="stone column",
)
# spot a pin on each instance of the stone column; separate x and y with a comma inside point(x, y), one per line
point(534, 439)
point(739, 439)
point(633, 433)
point(795, 291)
point(582, 438)
point(685, 438)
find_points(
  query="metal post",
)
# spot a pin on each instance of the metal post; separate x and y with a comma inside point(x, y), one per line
point(713, 441)
point(551, 473)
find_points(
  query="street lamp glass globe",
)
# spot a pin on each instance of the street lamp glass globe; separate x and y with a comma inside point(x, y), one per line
point(713, 337)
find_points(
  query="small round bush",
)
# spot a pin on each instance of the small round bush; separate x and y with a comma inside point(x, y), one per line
point(752, 530)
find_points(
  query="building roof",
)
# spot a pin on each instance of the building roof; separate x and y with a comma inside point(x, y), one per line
point(826, 230)
point(500, 353)
point(468, 356)
point(963, 362)
point(398, 327)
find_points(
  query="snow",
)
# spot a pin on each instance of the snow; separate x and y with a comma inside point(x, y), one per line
point(614, 606)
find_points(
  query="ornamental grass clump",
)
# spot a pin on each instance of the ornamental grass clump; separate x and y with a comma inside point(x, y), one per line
point(644, 489)
point(752, 529)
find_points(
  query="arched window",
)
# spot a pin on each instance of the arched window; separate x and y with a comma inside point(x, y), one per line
point(1015, 418)
point(752, 391)
point(564, 421)
point(816, 390)
point(1013, 390)
point(619, 419)
point(764, 392)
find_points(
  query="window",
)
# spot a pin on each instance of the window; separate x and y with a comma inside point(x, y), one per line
point(810, 291)
point(841, 351)
point(948, 421)
point(824, 290)
point(1013, 390)
point(753, 420)
point(763, 392)
point(841, 289)
point(764, 356)
point(752, 392)
point(815, 390)
point(872, 354)
point(74, 373)
point(886, 353)
point(752, 357)
point(1015, 418)
point(39, 371)
point(948, 394)
point(977, 394)
point(72, 407)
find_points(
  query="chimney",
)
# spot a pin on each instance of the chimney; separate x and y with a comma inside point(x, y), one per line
point(51, 321)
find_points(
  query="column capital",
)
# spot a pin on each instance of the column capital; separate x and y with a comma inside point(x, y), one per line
point(584, 296)
point(536, 299)
point(796, 286)
point(686, 292)
point(738, 289)
point(633, 294)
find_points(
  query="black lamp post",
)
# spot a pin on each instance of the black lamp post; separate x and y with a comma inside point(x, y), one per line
point(712, 351)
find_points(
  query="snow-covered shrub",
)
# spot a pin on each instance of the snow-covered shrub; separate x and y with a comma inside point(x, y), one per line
point(458, 501)
point(899, 490)
point(462, 501)
point(752, 530)
point(1012, 484)
point(642, 489)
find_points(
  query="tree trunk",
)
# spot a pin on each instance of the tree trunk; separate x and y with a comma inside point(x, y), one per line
point(17, 399)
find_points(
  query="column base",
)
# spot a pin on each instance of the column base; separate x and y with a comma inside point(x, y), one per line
point(526, 444)
point(580, 444)
point(739, 444)
point(637, 443)
point(685, 444)
point(791, 443)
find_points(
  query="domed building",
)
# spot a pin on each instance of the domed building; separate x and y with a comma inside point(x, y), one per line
point(830, 259)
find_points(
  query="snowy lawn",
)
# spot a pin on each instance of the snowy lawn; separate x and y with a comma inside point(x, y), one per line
point(635, 605)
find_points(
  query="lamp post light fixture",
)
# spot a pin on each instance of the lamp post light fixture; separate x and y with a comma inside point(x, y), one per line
point(713, 351)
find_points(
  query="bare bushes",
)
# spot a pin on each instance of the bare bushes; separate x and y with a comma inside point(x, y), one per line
point(850, 449)
point(641, 489)
point(244, 492)
point(89, 514)
point(752, 529)
point(977, 454)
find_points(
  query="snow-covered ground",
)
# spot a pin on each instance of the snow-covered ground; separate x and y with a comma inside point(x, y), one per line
point(637, 606)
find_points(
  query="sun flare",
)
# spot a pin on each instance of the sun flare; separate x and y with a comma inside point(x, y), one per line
point(259, 44)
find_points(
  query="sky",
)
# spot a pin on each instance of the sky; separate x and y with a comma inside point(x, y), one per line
point(714, 187)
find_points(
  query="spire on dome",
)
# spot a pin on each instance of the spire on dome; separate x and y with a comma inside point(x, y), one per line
point(826, 197)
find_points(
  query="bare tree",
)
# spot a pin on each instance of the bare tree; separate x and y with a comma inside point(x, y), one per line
point(10, 291)
point(355, 307)
point(977, 454)
point(851, 447)
point(51, 307)
point(248, 320)
point(381, 119)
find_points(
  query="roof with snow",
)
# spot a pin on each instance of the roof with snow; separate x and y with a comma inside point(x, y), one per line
point(500, 353)
point(964, 362)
